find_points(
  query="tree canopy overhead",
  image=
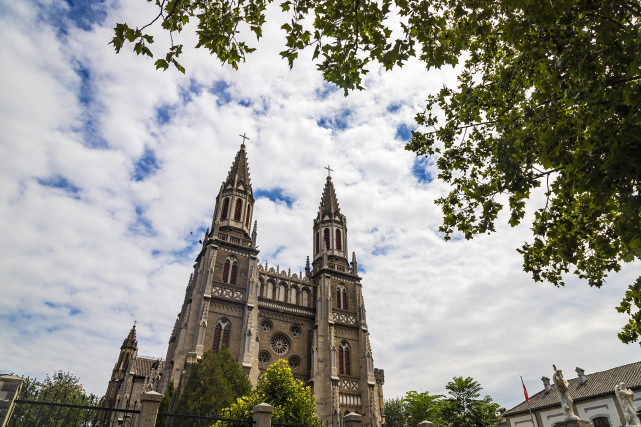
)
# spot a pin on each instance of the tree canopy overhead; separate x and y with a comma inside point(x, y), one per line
point(548, 96)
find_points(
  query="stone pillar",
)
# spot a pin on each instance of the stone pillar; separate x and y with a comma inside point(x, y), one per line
point(9, 389)
point(263, 415)
point(149, 403)
point(352, 420)
point(426, 424)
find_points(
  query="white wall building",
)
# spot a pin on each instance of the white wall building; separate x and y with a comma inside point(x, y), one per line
point(594, 399)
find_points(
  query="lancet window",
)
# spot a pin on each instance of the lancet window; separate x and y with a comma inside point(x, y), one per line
point(305, 298)
point(230, 271)
point(238, 210)
point(326, 238)
point(316, 244)
point(338, 241)
point(343, 359)
point(225, 211)
point(293, 295)
point(341, 297)
point(248, 216)
point(221, 334)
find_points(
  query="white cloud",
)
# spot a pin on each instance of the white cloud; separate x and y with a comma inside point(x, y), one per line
point(86, 249)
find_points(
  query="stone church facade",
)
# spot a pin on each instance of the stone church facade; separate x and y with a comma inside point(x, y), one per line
point(315, 319)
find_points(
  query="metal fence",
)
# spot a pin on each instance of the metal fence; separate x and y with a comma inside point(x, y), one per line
point(67, 408)
point(183, 420)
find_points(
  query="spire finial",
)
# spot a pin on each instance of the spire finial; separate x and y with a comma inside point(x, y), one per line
point(329, 171)
point(244, 137)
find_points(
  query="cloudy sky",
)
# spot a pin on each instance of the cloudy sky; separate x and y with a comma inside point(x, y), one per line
point(107, 166)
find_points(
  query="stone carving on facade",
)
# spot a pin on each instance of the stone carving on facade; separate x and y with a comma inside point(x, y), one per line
point(186, 316)
point(347, 384)
point(344, 318)
point(227, 293)
point(564, 394)
point(203, 316)
point(625, 396)
point(152, 381)
point(315, 341)
point(332, 343)
point(227, 307)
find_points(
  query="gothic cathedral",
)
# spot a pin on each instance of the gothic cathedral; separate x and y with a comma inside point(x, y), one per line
point(315, 320)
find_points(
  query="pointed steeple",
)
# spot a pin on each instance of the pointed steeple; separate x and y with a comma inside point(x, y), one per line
point(329, 202)
point(235, 201)
point(330, 229)
point(239, 172)
point(130, 341)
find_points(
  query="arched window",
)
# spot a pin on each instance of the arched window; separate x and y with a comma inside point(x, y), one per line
point(248, 215)
point(282, 290)
point(305, 298)
point(316, 245)
point(234, 272)
point(326, 237)
point(293, 295)
point(238, 210)
point(223, 215)
point(601, 422)
point(338, 241)
point(230, 271)
point(269, 290)
point(341, 297)
point(222, 330)
point(343, 359)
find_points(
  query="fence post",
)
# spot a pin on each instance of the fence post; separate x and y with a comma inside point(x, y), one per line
point(352, 420)
point(149, 403)
point(263, 415)
point(9, 389)
point(426, 424)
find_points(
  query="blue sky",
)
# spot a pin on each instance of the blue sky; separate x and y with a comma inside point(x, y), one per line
point(110, 171)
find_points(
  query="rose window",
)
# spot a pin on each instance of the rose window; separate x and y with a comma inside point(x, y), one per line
point(294, 362)
point(266, 326)
point(295, 331)
point(263, 357)
point(279, 344)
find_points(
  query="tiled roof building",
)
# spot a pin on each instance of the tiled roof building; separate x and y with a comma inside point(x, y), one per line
point(593, 394)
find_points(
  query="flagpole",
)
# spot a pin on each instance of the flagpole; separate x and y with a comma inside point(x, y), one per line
point(529, 406)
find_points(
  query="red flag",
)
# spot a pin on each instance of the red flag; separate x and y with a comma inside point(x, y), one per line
point(527, 399)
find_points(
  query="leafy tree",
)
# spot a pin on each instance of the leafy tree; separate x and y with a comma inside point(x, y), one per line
point(293, 403)
point(395, 415)
point(61, 388)
point(464, 408)
point(548, 96)
point(215, 382)
point(421, 407)
point(164, 404)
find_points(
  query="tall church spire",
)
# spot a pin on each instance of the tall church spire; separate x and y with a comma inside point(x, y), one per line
point(329, 202)
point(239, 172)
point(130, 341)
point(235, 201)
point(330, 229)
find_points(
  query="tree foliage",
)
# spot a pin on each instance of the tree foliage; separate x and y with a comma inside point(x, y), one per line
point(293, 403)
point(215, 382)
point(395, 415)
point(421, 407)
point(548, 96)
point(60, 388)
point(462, 407)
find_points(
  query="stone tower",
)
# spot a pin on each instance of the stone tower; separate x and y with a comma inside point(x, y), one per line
point(315, 320)
point(128, 352)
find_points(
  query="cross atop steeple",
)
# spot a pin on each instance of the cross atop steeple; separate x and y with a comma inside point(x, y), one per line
point(329, 171)
point(244, 137)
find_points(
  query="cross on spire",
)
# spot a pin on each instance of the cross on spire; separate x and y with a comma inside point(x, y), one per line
point(244, 137)
point(329, 170)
